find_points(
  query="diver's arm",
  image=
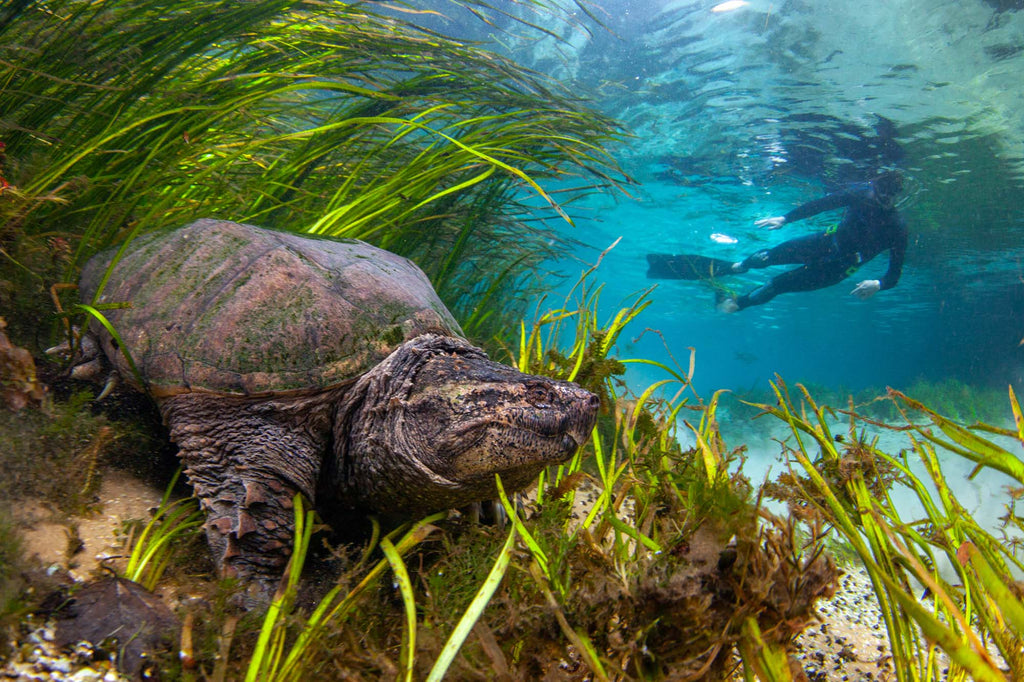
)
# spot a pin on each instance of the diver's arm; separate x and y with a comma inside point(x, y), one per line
point(829, 202)
point(896, 256)
point(869, 287)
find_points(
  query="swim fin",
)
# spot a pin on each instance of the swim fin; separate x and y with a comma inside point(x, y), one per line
point(686, 266)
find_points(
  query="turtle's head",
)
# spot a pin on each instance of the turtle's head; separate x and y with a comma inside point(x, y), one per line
point(438, 420)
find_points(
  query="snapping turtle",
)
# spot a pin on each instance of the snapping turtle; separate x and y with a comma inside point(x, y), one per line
point(286, 364)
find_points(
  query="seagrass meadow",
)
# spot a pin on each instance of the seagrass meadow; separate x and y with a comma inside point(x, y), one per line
point(323, 118)
point(653, 554)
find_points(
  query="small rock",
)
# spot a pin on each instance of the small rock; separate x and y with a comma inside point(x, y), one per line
point(86, 675)
point(60, 665)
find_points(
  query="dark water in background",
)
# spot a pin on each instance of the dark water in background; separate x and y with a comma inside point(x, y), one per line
point(743, 114)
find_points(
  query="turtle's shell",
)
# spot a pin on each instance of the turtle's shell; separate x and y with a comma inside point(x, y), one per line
point(228, 308)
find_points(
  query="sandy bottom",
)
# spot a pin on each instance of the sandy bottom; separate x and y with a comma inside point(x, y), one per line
point(850, 642)
point(52, 540)
point(78, 546)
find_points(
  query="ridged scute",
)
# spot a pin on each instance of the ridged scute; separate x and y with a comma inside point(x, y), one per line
point(230, 308)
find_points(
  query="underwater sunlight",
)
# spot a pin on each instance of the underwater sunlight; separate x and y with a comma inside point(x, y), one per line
point(557, 339)
point(743, 114)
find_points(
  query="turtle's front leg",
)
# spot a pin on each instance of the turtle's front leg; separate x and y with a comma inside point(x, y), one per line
point(247, 460)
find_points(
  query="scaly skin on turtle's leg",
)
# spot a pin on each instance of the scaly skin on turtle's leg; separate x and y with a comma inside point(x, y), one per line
point(246, 460)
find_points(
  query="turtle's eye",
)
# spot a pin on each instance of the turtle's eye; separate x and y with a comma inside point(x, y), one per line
point(540, 395)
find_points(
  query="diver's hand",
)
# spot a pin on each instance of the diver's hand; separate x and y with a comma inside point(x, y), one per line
point(867, 289)
point(772, 223)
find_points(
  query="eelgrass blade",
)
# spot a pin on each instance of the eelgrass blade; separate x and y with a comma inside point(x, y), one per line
point(409, 600)
point(102, 319)
point(1008, 601)
point(626, 529)
point(675, 376)
point(265, 663)
point(714, 463)
point(609, 474)
point(474, 611)
point(622, 318)
point(1018, 416)
point(150, 551)
point(335, 607)
point(535, 549)
point(967, 443)
point(295, 133)
point(767, 661)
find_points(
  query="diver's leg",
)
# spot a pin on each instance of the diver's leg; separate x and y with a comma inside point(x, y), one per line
point(807, 249)
point(758, 296)
point(806, 278)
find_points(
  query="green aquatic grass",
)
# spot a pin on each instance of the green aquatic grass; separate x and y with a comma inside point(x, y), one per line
point(762, 660)
point(327, 118)
point(904, 557)
point(268, 657)
point(154, 546)
point(640, 473)
point(474, 611)
point(282, 655)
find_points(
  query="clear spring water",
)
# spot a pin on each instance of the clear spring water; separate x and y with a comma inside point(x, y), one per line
point(746, 113)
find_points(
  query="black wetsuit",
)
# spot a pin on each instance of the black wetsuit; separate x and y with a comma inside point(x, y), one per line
point(867, 229)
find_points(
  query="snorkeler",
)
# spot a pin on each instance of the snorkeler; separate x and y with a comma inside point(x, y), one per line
point(870, 225)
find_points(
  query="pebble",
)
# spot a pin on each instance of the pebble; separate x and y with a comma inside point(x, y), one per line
point(851, 643)
point(42, 661)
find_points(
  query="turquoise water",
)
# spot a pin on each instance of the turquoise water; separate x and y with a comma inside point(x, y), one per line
point(742, 114)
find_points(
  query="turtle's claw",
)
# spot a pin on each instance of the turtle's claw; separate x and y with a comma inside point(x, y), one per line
point(113, 379)
point(87, 371)
point(87, 362)
point(85, 347)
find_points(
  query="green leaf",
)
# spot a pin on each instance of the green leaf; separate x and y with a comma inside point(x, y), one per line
point(474, 611)
point(409, 600)
point(102, 319)
point(1009, 604)
point(973, 447)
